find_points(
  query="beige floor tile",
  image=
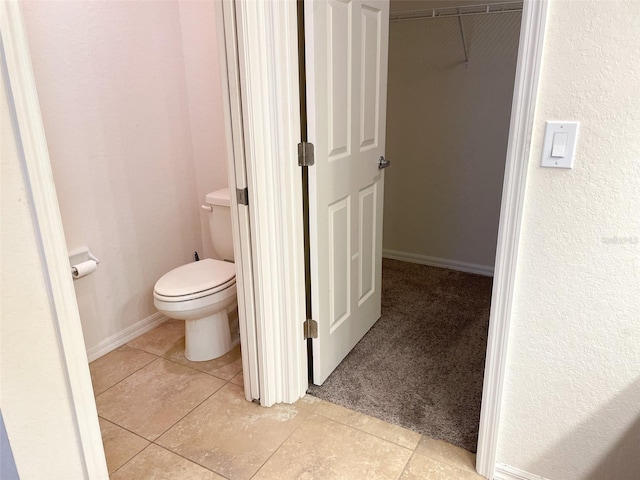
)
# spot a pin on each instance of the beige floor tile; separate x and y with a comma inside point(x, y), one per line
point(119, 445)
point(425, 468)
point(155, 397)
point(156, 463)
point(324, 449)
point(238, 379)
point(392, 433)
point(161, 339)
point(117, 365)
point(234, 437)
point(446, 453)
point(225, 367)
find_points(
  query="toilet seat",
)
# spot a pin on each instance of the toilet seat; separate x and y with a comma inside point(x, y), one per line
point(195, 280)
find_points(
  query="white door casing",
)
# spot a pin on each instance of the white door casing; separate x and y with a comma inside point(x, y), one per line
point(241, 222)
point(346, 48)
point(267, 55)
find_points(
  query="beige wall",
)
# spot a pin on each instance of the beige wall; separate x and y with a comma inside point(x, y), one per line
point(34, 396)
point(572, 401)
point(447, 130)
point(135, 138)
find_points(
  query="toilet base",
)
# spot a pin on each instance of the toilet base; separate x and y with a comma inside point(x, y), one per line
point(208, 337)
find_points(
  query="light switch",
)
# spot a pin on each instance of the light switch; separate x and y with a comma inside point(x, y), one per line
point(559, 145)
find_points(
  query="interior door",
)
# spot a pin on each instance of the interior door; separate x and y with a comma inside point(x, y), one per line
point(346, 46)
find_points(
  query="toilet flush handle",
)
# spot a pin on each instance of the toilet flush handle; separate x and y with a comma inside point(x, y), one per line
point(208, 208)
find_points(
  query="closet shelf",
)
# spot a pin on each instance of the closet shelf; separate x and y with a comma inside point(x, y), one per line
point(491, 8)
point(459, 12)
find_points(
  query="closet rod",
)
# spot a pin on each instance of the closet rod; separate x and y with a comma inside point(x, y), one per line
point(491, 8)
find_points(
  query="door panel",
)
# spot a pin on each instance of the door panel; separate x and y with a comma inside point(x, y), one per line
point(346, 59)
point(370, 78)
point(339, 76)
point(339, 263)
point(367, 235)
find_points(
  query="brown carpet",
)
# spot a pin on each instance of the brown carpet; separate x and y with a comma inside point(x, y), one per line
point(421, 365)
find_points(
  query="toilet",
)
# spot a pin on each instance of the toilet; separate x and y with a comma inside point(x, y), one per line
point(203, 293)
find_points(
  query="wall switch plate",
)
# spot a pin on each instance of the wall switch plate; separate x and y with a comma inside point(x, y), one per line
point(559, 147)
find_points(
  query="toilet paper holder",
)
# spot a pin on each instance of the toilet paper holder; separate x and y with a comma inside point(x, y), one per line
point(78, 256)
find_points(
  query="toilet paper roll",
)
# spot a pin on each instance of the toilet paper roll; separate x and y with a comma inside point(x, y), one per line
point(83, 268)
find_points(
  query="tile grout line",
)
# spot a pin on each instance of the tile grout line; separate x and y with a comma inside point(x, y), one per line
point(447, 463)
point(404, 468)
point(127, 430)
point(180, 455)
point(284, 441)
point(412, 452)
point(163, 358)
point(189, 460)
point(189, 412)
point(443, 462)
point(200, 371)
point(162, 355)
point(413, 449)
point(132, 373)
point(125, 463)
point(153, 442)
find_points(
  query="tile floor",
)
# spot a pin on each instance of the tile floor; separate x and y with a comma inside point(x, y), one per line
point(164, 417)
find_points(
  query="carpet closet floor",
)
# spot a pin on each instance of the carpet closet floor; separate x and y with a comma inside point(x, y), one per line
point(421, 366)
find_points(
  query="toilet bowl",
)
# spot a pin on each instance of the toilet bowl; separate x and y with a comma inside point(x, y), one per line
point(203, 294)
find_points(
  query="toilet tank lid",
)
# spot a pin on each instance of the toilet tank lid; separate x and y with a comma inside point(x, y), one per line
point(219, 197)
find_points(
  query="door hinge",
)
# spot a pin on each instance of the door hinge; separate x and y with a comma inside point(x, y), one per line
point(310, 329)
point(305, 154)
point(242, 195)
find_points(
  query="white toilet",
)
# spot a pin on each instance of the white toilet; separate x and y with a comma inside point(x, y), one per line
point(203, 293)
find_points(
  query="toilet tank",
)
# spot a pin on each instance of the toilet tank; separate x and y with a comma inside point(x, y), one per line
point(220, 223)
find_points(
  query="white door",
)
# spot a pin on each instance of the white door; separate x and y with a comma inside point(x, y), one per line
point(346, 70)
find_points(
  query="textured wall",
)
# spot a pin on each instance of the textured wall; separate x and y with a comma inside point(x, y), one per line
point(447, 130)
point(130, 170)
point(34, 395)
point(572, 402)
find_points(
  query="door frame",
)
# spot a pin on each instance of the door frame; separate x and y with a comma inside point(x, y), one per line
point(532, 30)
point(267, 43)
point(240, 214)
point(267, 55)
point(281, 62)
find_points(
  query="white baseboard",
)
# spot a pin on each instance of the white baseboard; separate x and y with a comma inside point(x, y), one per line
point(506, 472)
point(118, 339)
point(439, 262)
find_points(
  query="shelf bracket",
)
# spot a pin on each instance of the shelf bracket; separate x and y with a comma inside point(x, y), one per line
point(464, 40)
